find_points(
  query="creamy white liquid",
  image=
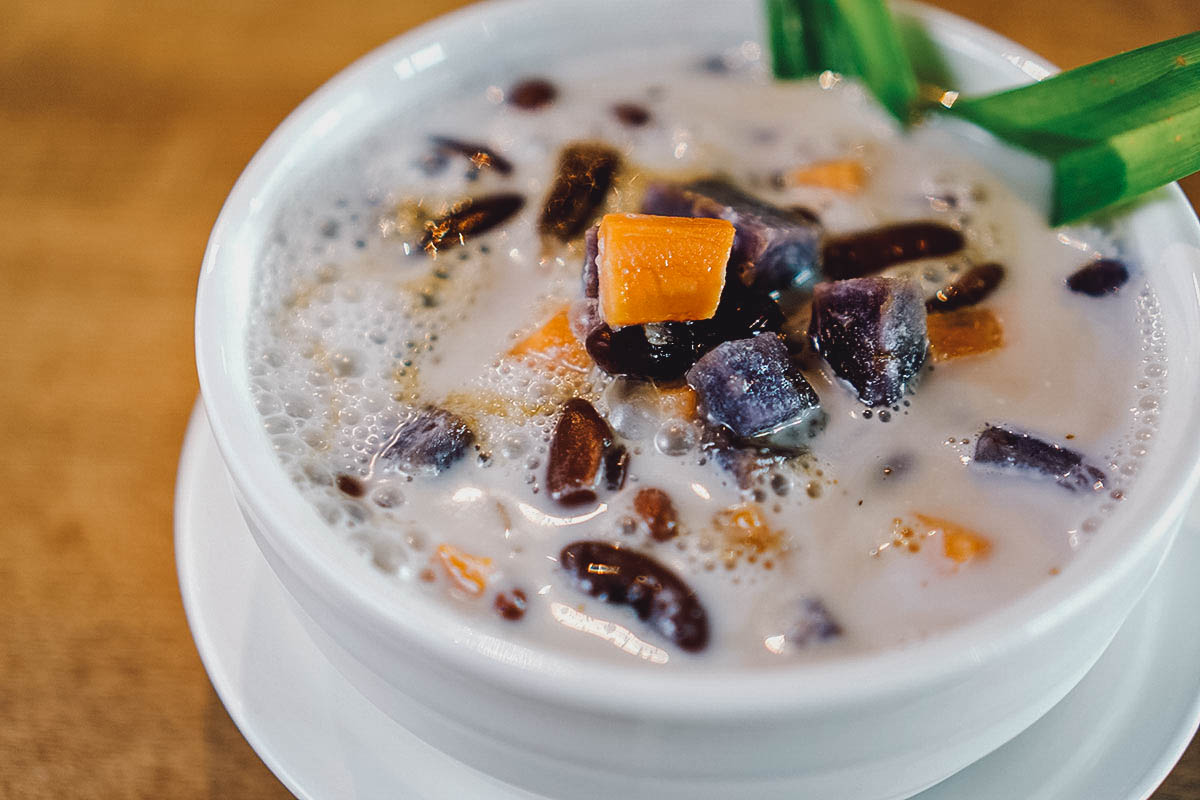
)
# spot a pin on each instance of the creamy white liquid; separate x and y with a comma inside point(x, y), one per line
point(351, 333)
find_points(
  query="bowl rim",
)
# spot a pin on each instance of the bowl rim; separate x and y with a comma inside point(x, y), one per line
point(448, 638)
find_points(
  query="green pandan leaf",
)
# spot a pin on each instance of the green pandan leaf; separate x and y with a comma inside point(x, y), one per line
point(1111, 130)
point(851, 37)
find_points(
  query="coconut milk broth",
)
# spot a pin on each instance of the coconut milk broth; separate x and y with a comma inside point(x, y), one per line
point(354, 328)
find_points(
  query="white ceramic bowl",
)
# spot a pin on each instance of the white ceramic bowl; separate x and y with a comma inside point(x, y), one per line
point(877, 726)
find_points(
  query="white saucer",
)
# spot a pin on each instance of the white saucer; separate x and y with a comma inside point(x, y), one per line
point(1115, 737)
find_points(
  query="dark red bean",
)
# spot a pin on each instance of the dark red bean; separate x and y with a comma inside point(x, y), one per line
point(871, 251)
point(584, 176)
point(655, 593)
point(631, 114)
point(1099, 278)
point(470, 217)
point(616, 467)
point(577, 452)
point(532, 94)
point(350, 485)
point(970, 288)
point(655, 508)
point(664, 354)
point(480, 155)
point(511, 608)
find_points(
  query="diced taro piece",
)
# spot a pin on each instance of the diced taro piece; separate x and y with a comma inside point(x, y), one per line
point(774, 247)
point(480, 155)
point(585, 174)
point(663, 351)
point(1003, 448)
point(429, 443)
point(655, 508)
point(870, 251)
point(655, 593)
point(1099, 278)
point(816, 624)
point(532, 94)
point(743, 462)
point(591, 271)
point(968, 289)
point(579, 452)
point(751, 387)
point(584, 316)
point(872, 333)
point(470, 217)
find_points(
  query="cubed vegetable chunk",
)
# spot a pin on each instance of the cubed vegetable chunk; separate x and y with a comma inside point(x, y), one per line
point(469, 572)
point(959, 544)
point(661, 269)
point(430, 442)
point(966, 332)
point(751, 387)
point(774, 247)
point(844, 175)
point(1006, 449)
point(872, 333)
point(589, 275)
point(814, 624)
point(554, 342)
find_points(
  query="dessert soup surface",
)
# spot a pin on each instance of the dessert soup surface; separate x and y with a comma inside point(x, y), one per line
point(853, 544)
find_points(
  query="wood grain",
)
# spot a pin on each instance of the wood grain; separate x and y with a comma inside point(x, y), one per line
point(122, 126)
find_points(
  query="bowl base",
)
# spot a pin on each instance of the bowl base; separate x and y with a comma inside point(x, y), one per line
point(1114, 737)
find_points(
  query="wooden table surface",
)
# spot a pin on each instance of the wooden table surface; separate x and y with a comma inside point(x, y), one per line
point(123, 124)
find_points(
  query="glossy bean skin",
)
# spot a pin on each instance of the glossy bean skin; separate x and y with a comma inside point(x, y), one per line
point(970, 288)
point(579, 452)
point(656, 594)
point(471, 217)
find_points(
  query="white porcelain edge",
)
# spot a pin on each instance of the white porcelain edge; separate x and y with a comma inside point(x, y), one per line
point(440, 651)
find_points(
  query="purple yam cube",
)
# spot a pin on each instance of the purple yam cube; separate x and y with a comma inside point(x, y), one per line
point(747, 464)
point(774, 247)
point(751, 387)
point(815, 624)
point(591, 271)
point(871, 331)
point(429, 443)
point(1006, 449)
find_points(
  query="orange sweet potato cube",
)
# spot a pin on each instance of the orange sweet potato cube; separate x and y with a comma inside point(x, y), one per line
point(469, 572)
point(844, 175)
point(678, 402)
point(959, 544)
point(556, 342)
point(661, 269)
point(965, 332)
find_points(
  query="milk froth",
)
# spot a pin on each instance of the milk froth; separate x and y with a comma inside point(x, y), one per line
point(355, 328)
